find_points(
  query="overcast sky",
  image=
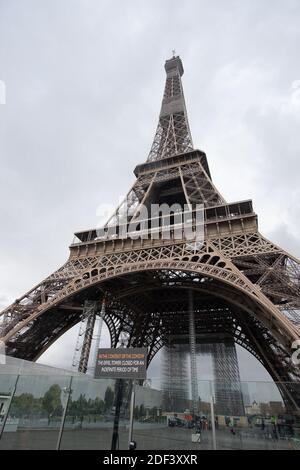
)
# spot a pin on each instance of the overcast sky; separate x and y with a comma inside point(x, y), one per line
point(84, 82)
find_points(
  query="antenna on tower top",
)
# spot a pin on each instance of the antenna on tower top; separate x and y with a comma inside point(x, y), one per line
point(173, 52)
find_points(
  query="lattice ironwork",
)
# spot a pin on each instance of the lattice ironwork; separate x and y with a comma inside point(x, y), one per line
point(243, 284)
point(228, 393)
point(173, 134)
point(175, 378)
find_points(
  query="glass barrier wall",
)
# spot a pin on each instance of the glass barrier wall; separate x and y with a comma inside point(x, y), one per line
point(168, 419)
point(34, 412)
point(92, 415)
point(77, 412)
point(7, 390)
point(257, 415)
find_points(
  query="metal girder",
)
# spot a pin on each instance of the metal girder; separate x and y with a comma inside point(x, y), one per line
point(243, 284)
point(173, 134)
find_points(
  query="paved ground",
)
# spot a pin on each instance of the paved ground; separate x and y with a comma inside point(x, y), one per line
point(150, 438)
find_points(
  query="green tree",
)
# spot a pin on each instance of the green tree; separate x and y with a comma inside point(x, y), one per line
point(52, 402)
point(25, 404)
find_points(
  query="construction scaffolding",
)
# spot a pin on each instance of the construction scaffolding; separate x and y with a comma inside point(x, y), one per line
point(85, 335)
point(225, 375)
point(175, 377)
point(228, 393)
point(192, 338)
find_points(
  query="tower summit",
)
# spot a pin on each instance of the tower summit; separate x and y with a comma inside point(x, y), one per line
point(173, 134)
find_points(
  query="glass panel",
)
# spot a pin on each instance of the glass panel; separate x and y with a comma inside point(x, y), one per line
point(7, 384)
point(35, 413)
point(268, 418)
point(247, 415)
point(163, 418)
point(91, 412)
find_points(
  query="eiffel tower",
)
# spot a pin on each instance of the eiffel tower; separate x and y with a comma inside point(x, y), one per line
point(236, 287)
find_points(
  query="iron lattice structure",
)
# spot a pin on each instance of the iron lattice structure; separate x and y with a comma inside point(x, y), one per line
point(242, 284)
point(173, 135)
point(227, 388)
point(175, 377)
